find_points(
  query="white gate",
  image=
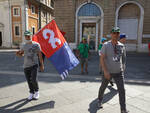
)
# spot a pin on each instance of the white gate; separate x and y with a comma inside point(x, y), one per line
point(130, 28)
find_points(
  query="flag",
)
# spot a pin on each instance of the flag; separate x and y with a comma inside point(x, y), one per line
point(56, 49)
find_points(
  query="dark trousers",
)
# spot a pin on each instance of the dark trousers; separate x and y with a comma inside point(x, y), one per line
point(119, 79)
point(31, 77)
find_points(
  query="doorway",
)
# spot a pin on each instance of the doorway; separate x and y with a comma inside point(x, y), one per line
point(90, 18)
point(89, 32)
point(129, 17)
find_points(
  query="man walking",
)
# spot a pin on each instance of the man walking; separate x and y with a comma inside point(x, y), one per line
point(31, 50)
point(103, 40)
point(112, 61)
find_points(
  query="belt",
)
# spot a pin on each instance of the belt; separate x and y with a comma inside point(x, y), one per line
point(116, 73)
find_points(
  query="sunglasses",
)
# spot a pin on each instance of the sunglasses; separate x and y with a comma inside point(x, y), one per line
point(116, 33)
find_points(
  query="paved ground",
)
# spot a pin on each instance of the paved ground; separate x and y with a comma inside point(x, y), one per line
point(78, 93)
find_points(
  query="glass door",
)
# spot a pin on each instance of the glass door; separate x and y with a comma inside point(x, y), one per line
point(89, 32)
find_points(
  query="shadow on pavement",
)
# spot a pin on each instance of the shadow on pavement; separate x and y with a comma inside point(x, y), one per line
point(17, 109)
point(134, 66)
point(93, 108)
point(11, 79)
point(84, 78)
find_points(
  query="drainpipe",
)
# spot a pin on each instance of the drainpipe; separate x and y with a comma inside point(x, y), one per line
point(26, 18)
point(75, 22)
point(10, 24)
point(26, 14)
point(40, 16)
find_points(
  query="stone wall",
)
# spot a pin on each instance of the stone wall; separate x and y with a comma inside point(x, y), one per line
point(65, 15)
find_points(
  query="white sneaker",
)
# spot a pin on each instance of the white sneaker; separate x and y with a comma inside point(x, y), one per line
point(30, 96)
point(36, 95)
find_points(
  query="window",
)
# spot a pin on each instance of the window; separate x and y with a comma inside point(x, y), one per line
point(32, 9)
point(16, 11)
point(52, 3)
point(17, 30)
point(33, 30)
point(44, 13)
point(89, 9)
point(46, 2)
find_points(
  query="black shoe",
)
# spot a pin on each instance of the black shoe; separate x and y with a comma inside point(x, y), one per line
point(124, 111)
point(82, 73)
point(99, 105)
point(87, 72)
point(100, 72)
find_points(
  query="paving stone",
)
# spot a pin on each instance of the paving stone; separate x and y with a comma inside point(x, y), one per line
point(76, 94)
point(140, 104)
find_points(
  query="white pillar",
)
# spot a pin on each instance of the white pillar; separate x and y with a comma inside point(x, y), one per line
point(10, 24)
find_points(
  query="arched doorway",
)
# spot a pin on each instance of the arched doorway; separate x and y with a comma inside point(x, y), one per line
point(129, 17)
point(89, 24)
point(1, 34)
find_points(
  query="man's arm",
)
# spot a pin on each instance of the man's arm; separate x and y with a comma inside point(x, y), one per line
point(41, 61)
point(124, 58)
point(104, 67)
point(78, 53)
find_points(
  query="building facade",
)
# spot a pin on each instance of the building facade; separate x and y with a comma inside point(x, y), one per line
point(46, 12)
point(93, 19)
point(20, 15)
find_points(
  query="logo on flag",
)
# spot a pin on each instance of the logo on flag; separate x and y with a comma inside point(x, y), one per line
point(56, 49)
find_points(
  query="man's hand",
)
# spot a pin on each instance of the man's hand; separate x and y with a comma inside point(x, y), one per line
point(42, 68)
point(78, 54)
point(19, 53)
point(107, 75)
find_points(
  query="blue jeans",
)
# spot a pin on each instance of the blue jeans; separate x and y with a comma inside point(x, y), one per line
point(119, 79)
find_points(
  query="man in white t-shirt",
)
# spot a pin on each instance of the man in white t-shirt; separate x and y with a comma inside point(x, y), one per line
point(31, 50)
point(112, 60)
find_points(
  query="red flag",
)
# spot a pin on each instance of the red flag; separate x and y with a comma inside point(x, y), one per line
point(50, 39)
point(56, 49)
